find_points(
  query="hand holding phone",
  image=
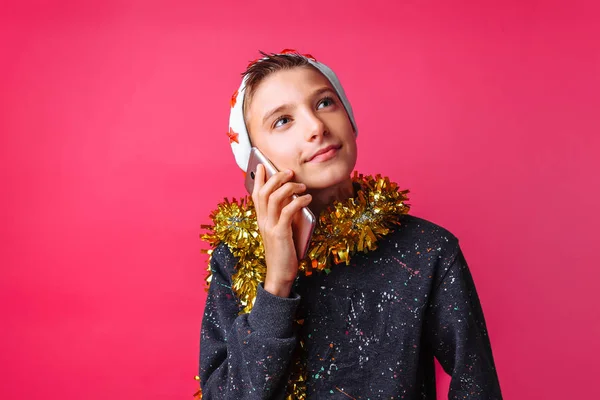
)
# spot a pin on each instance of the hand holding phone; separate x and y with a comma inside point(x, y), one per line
point(285, 223)
point(303, 224)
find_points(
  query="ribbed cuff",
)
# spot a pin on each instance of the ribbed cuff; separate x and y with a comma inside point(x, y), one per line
point(273, 314)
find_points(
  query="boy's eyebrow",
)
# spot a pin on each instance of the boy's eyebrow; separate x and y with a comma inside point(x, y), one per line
point(284, 106)
point(322, 90)
point(275, 111)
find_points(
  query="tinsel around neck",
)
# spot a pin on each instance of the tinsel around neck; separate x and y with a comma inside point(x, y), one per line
point(344, 228)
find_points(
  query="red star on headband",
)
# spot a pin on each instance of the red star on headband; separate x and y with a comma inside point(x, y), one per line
point(292, 51)
point(233, 137)
point(234, 99)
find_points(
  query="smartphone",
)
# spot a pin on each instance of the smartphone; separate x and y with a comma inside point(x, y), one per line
point(304, 222)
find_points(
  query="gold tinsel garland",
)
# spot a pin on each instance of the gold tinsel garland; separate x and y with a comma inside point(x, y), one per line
point(346, 227)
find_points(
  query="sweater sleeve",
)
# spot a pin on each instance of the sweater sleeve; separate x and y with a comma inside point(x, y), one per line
point(244, 356)
point(457, 333)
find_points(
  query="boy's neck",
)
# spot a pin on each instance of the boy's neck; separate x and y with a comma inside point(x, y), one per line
point(322, 198)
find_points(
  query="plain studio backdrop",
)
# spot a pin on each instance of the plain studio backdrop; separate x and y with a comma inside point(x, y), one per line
point(113, 122)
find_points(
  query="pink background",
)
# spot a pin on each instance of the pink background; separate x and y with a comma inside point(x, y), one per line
point(113, 121)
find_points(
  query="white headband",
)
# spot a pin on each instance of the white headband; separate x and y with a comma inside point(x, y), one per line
point(238, 134)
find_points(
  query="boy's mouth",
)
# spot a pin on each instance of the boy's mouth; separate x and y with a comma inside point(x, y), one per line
point(324, 154)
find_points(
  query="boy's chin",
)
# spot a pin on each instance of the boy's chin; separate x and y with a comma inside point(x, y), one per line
point(327, 177)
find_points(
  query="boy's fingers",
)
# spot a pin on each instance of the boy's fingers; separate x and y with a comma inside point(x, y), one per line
point(274, 182)
point(288, 212)
point(271, 184)
point(281, 197)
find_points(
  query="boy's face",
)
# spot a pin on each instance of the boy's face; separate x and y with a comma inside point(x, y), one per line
point(294, 115)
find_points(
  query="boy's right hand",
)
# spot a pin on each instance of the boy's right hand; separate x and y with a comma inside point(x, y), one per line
point(275, 210)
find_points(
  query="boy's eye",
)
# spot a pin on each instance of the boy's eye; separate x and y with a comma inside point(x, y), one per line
point(281, 121)
point(326, 101)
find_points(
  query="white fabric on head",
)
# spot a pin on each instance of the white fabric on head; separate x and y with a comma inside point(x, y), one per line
point(238, 134)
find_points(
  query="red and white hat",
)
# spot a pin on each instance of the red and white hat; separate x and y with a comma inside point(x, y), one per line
point(238, 134)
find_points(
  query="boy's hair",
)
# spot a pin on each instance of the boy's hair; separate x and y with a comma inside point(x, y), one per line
point(258, 71)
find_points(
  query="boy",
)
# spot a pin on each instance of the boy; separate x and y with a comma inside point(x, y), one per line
point(380, 293)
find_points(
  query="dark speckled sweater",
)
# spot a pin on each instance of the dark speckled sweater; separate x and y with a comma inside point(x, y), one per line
point(371, 329)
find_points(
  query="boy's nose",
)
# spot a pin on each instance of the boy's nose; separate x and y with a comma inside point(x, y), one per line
point(315, 128)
